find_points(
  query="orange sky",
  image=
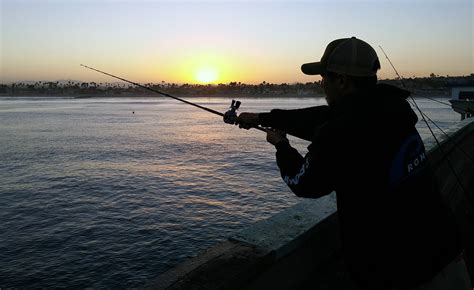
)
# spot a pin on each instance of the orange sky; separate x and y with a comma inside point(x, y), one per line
point(220, 42)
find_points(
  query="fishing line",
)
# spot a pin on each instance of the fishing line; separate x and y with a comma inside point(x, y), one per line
point(423, 115)
point(411, 97)
point(228, 116)
point(436, 139)
point(448, 137)
point(435, 100)
point(403, 84)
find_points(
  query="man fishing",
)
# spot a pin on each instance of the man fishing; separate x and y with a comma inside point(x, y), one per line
point(395, 229)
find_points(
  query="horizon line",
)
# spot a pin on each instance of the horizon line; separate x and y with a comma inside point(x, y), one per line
point(218, 83)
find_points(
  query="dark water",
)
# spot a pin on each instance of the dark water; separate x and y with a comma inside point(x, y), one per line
point(94, 195)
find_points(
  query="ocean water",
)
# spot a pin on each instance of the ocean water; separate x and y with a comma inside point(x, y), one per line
point(111, 192)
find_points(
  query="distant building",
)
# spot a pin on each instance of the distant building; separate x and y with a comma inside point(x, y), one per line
point(462, 99)
point(462, 89)
point(462, 92)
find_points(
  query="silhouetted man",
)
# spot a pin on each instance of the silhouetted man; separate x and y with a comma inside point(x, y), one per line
point(395, 229)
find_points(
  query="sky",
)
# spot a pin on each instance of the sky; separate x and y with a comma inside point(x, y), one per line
point(224, 41)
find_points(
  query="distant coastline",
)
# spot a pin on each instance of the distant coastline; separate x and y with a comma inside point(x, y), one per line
point(153, 96)
point(424, 86)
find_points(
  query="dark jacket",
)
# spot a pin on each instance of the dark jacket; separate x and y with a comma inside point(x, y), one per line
point(395, 228)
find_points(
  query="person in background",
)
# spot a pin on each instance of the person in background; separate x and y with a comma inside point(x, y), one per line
point(396, 231)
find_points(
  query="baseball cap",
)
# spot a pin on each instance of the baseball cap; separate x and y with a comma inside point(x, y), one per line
point(349, 56)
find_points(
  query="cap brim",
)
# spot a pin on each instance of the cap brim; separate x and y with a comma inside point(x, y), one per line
point(313, 68)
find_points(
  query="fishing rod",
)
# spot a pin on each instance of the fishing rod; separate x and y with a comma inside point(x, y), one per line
point(400, 78)
point(411, 97)
point(423, 115)
point(445, 155)
point(229, 117)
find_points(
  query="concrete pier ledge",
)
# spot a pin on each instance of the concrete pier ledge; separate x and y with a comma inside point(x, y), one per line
point(299, 248)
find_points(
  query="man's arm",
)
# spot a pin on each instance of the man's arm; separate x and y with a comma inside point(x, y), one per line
point(310, 176)
point(300, 123)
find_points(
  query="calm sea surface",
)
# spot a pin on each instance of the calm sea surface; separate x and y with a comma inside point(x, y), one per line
point(112, 192)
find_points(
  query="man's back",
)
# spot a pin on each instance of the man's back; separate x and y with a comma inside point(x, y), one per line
point(394, 225)
point(395, 229)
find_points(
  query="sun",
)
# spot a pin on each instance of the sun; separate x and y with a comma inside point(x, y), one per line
point(206, 75)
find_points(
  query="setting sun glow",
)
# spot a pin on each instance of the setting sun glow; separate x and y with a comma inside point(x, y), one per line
point(206, 75)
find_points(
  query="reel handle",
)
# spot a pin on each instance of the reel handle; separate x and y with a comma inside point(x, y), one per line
point(231, 115)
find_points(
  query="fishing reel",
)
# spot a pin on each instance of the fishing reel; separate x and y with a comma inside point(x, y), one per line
point(231, 116)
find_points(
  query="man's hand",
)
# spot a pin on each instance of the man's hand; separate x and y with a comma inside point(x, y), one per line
point(247, 120)
point(275, 136)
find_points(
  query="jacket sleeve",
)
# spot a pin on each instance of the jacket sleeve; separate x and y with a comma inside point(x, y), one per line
point(300, 123)
point(310, 176)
